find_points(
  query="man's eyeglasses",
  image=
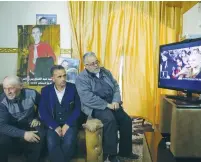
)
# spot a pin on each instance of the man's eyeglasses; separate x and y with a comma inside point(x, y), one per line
point(93, 63)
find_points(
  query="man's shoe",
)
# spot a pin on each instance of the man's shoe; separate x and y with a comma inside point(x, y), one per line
point(132, 156)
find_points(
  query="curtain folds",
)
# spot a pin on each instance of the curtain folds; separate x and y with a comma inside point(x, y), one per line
point(170, 31)
point(132, 31)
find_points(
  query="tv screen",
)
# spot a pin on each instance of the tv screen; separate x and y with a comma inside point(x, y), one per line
point(180, 66)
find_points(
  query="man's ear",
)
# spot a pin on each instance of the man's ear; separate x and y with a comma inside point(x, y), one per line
point(52, 79)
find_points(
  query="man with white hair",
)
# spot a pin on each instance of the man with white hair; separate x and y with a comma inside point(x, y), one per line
point(100, 97)
point(19, 124)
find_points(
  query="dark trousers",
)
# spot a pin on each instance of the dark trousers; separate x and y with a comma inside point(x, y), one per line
point(61, 149)
point(31, 150)
point(112, 121)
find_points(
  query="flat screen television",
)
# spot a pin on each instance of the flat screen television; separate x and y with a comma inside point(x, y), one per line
point(180, 67)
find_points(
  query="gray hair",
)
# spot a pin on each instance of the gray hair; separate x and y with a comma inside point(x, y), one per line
point(87, 54)
point(12, 80)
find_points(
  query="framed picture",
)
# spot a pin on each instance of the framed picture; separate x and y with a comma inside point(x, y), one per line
point(46, 19)
point(71, 66)
point(38, 48)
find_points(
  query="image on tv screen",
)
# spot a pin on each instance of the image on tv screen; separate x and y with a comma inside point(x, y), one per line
point(181, 64)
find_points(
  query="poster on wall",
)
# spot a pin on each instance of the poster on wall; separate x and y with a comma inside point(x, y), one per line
point(46, 19)
point(71, 66)
point(38, 48)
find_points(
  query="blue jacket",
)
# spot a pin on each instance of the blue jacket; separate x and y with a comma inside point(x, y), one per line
point(48, 101)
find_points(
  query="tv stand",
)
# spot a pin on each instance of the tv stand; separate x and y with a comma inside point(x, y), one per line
point(189, 99)
point(182, 123)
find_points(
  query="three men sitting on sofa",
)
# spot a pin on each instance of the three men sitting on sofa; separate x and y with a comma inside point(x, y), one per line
point(59, 110)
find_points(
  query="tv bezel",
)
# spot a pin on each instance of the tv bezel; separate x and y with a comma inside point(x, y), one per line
point(173, 88)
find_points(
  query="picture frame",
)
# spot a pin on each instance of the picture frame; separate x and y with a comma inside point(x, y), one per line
point(46, 19)
point(71, 66)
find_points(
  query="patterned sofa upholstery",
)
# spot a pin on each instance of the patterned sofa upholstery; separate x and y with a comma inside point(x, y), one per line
point(89, 143)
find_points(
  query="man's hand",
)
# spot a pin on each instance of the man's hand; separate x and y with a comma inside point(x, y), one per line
point(31, 136)
point(110, 106)
point(64, 129)
point(35, 123)
point(59, 131)
point(115, 104)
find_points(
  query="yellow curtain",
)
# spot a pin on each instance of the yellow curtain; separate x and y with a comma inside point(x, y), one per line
point(170, 31)
point(140, 51)
point(132, 30)
point(96, 26)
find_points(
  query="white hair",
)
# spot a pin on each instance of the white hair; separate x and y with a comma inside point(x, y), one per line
point(12, 80)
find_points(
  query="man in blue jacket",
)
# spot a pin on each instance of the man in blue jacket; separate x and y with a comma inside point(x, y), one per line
point(100, 97)
point(59, 110)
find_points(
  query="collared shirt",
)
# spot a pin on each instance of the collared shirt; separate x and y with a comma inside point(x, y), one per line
point(98, 75)
point(60, 94)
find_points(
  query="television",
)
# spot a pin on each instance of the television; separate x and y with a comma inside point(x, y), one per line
point(180, 67)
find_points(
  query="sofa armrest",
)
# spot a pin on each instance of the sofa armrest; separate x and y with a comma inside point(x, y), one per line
point(94, 130)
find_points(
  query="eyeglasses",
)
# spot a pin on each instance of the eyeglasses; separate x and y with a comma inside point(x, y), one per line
point(93, 63)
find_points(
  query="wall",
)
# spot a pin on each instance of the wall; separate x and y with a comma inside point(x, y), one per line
point(24, 13)
point(192, 20)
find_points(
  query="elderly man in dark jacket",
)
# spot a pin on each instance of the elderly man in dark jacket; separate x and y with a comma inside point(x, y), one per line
point(100, 97)
point(19, 124)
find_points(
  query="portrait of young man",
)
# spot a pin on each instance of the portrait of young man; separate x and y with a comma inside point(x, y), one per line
point(41, 46)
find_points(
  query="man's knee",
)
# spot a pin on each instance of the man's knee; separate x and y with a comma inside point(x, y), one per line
point(71, 135)
point(106, 116)
point(53, 139)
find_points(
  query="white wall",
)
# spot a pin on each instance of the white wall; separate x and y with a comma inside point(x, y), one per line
point(192, 20)
point(24, 13)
